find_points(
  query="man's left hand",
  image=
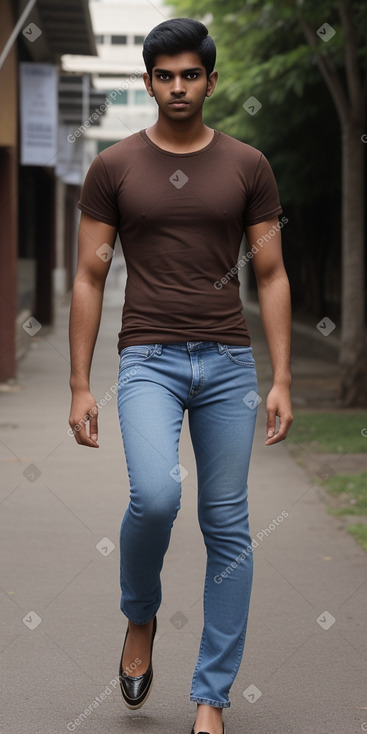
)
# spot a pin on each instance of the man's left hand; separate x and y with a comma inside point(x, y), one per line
point(278, 404)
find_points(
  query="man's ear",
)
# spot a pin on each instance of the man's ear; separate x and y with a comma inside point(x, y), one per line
point(212, 83)
point(148, 84)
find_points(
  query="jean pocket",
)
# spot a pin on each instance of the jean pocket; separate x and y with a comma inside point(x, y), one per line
point(239, 354)
point(136, 355)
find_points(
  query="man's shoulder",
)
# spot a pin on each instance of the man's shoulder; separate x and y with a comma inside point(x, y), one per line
point(239, 147)
point(128, 146)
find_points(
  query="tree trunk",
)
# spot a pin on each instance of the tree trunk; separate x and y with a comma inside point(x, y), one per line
point(353, 351)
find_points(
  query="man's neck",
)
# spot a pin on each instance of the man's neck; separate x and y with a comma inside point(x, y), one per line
point(180, 136)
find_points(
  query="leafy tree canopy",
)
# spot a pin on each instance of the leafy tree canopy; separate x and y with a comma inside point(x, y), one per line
point(263, 52)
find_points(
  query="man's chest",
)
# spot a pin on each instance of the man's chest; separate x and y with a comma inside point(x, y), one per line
point(181, 192)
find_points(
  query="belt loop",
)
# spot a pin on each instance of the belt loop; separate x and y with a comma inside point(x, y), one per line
point(158, 348)
point(221, 347)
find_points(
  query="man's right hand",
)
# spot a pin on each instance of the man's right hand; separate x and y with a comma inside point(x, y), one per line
point(83, 418)
point(85, 316)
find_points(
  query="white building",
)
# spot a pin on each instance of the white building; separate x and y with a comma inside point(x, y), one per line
point(120, 27)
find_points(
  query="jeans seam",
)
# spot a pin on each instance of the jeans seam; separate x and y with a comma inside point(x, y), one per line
point(140, 359)
point(203, 637)
point(210, 702)
point(233, 359)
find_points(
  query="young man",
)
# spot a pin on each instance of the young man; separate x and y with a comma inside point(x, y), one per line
point(181, 195)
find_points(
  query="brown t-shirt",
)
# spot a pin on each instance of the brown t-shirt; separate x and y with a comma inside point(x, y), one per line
point(181, 217)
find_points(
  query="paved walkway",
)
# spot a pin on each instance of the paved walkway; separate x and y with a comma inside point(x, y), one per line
point(304, 668)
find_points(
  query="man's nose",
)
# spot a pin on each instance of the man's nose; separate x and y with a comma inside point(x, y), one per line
point(178, 86)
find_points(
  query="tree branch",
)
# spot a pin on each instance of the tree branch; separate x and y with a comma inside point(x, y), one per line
point(328, 72)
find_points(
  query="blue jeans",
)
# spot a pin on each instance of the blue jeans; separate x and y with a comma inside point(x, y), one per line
point(217, 383)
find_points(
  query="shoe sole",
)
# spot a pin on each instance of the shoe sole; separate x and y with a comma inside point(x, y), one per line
point(134, 707)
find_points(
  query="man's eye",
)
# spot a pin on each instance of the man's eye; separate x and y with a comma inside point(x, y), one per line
point(192, 75)
point(164, 77)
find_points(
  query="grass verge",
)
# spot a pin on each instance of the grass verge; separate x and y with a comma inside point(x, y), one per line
point(338, 433)
point(359, 532)
point(351, 492)
point(335, 433)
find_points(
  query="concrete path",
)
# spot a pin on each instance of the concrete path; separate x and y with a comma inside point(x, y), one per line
point(304, 667)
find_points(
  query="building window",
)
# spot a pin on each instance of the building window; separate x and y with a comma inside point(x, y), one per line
point(117, 96)
point(139, 39)
point(118, 40)
point(141, 96)
point(99, 39)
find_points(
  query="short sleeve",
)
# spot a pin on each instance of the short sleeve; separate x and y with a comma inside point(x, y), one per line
point(263, 201)
point(97, 196)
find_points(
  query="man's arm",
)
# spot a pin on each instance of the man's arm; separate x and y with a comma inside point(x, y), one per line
point(275, 309)
point(85, 317)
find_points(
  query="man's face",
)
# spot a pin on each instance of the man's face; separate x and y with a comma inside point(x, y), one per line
point(179, 84)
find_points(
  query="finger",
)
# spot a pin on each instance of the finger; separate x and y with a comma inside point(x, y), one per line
point(284, 426)
point(270, 424)
point(84, 440)
point(81, 435)
point(93, 425)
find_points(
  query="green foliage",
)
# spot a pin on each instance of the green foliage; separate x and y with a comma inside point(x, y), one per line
point(351, 489)
point(359, 532)
point(262, 52)
point(338, 433)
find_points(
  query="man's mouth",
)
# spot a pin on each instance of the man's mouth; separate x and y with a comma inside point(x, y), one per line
point(178, 103)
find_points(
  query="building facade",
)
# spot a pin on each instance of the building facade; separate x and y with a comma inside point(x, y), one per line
point(33, 36)
point(120, 28)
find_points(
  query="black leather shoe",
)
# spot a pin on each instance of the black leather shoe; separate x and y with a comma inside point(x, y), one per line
point(135, 690)
point(205, 732)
